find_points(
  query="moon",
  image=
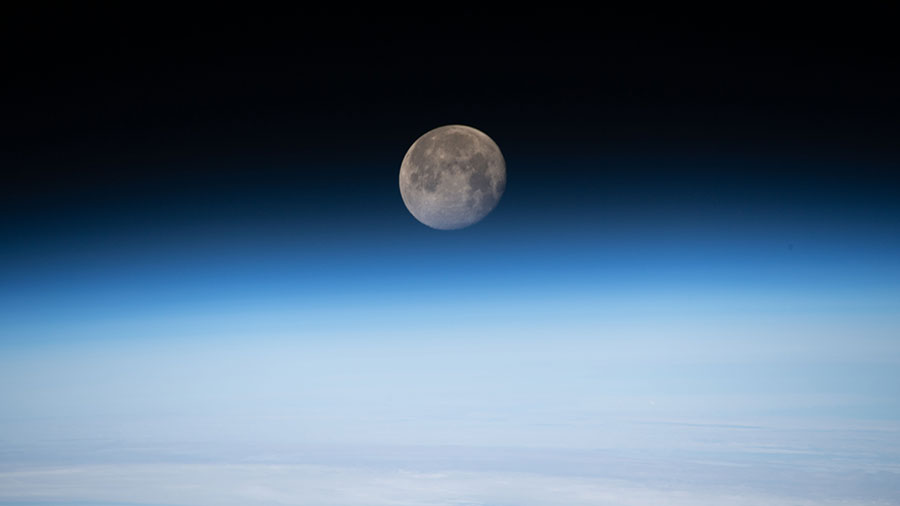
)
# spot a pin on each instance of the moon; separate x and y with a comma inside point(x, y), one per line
point(452, 177)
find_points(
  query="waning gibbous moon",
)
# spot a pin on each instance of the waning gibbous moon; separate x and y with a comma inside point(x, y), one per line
point(452, 177)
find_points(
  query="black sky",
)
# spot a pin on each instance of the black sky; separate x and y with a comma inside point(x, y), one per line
point(112, 112)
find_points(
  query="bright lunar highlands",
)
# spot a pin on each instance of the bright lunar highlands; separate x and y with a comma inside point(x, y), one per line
point(452, 177)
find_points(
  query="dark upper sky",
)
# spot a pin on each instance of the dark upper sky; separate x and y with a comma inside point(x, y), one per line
point(122, 119)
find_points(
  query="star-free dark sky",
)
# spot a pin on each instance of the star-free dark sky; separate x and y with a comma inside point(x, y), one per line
point(119, 119)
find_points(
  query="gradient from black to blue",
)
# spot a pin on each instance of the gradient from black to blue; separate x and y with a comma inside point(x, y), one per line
point(161, 184)
point(137, 153)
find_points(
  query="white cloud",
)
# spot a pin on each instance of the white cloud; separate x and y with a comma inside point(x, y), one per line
point(308, 485)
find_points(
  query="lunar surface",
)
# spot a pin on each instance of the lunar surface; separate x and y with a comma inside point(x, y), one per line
point(452, 177)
